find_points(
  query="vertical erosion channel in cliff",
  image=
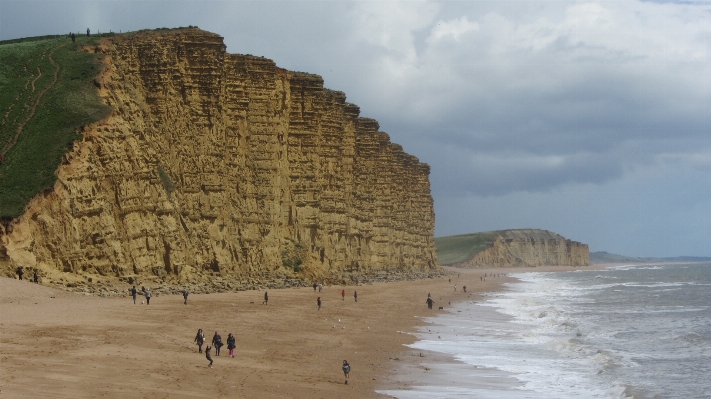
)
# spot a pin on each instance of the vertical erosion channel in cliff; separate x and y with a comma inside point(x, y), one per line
point(221, 164)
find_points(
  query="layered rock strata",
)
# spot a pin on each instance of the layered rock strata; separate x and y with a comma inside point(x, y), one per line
point(529, 247)
point(216, 164)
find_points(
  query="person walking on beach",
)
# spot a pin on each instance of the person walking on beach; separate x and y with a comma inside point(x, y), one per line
point(20, 272)
point(133, 294)
point(231, 344)
point(343, 295)
point(320, 287)
point(315, 286)
point(199, 339)
point(318, 302)
point(465, 288)
point(346, 369)
point(35, 277)
point(266, 298)
point(455, 287)
point(208, 357)
point(185, 296)
point(429, 302)
point(217, 343)
point(355, 295)
point(148, 297)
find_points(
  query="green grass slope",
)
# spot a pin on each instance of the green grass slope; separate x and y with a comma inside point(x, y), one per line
point(46, 94)
point(453, 249)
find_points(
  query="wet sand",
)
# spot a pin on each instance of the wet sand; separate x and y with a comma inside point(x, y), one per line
point(56, 344)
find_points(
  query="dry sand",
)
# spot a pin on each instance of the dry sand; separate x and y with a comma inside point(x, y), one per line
point(56, 344)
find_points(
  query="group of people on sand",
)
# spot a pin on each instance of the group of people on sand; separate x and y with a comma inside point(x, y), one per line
point(216, 344)
point(21, 272)
point(146, 293)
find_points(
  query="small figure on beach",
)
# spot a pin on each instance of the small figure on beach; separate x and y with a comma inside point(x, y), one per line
point(346, 369)
point(320, 287)
point(465, 288)
point(208, 357)
point(430, 302)
point(20, 272)
point(217, 343)
point(185, 296)
point(148, 295)
point(315, 286)
point(455, 287)
point(266, 298)
point(450, 280)
point(199, 339)
point(134, 292)
point(355, 295)
point(35, 277)
point(343, 294)
point(231, 344)
point(318, 302)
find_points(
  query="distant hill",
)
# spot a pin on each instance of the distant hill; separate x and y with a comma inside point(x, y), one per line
point(510, 248)
point(602, 257)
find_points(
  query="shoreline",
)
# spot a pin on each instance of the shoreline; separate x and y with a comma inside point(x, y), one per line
point(418, 362)
point(88, 346)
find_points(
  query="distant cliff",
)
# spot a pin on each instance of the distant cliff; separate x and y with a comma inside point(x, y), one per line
point(221, 164)
point(511, 248)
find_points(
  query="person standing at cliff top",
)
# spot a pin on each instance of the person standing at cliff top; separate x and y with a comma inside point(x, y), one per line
point(318, 302)
point(343, 295)
point(134, 292)
point(88, 32)
point(185, 296)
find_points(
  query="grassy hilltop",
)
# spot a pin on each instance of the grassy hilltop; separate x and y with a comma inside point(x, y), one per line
point(459, 248)
point(46, 95)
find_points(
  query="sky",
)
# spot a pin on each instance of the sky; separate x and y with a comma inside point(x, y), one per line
point(588, 119)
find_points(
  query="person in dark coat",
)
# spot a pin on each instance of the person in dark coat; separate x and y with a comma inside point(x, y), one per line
point(217, 343)
point(20, 272)
point(199, 339)
point(346, 369)
point(231, 344)
point(73, 37)
point(87, 32)
point(208, 357)
point(134, 292)
point(266, 298)
point(35, 277)
point(429, 302)
point(318, 302)
point(185, 297)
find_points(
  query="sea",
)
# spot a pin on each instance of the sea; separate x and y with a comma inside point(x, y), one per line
point(635, 331)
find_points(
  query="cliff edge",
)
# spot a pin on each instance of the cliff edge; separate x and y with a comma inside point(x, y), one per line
point(222, 165)
point(511, 248)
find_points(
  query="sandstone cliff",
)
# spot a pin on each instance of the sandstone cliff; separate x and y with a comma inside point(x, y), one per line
point(221, 164)
point(513, 248)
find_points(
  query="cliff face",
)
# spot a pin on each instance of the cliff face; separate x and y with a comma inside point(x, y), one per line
point(213, 162)
point(529, 247)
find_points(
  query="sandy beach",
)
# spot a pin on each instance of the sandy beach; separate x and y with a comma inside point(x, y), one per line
point(58, 344)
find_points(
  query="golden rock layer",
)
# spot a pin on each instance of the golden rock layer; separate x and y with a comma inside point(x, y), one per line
point(212, 162)
point(530, 247)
